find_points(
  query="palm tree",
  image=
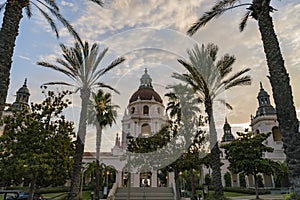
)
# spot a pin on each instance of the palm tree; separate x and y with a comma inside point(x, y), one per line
point(183, 108)
point(10, 30)
point(260, 11)
point(101, 113)
point(209, 78)
point(80, 64)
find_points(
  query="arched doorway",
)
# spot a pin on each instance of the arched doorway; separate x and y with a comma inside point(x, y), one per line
point(145, 179)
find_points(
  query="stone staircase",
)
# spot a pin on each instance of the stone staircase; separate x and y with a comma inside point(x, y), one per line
point(147, 193)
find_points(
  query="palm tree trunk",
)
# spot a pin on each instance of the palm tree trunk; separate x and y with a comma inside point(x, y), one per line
point(75, 179)
point(8, 34)
point(282, 92)
point(98, 147)
point(215, 153)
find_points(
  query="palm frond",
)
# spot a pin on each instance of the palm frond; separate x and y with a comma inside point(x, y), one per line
point(245, 80)
point(49, 19)
point(104, 70)
point(58, 83)
point(2, 6)
point(52, 4)
point(99, 59)
point(65, 23)
point(100, 3)
point(228, 106)
point(28, 10)
point(224, 65)
point(218, 9)
point(56, 68)
point(102, 85)
point(237, 75)
point(244, 21)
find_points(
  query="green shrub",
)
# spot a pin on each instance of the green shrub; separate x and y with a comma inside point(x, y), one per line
point(208, 179)
point(242, 180)
point(227, 178)
point(246, 190)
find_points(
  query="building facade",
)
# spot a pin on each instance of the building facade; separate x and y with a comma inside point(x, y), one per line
point(264, 121)
point(144, 116)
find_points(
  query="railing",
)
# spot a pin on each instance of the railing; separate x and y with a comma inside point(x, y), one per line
point(111, 194)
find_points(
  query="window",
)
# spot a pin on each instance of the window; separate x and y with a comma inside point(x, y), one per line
point(146, 110)
point(277, 137)
point(132, 110)
point(146, 130)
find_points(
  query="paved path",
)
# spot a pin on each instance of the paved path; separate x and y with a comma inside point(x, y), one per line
point(269, 197)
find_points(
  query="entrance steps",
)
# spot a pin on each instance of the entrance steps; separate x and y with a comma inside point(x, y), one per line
point(147, 193)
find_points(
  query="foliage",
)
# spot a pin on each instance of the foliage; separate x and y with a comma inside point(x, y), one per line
point(101, 112)
point(242, 179)
point(13, 15)
point(227, 178)
point(209, 78)
point(81, 64)
point(260, 183)
point(245, 155)
point(34, 142)
point(286, 113)
point(208, 179)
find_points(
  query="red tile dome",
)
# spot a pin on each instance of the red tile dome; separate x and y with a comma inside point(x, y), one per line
point(145, 91)
point(145, 94)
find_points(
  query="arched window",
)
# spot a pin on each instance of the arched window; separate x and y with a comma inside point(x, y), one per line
point(146, 110)
point(277, 137)
point(132, 110)
point(146, 130)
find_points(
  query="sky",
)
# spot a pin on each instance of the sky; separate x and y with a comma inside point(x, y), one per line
point(151, 34)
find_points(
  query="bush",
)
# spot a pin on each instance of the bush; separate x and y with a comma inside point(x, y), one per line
point(242, 180)
point(246, 190)
point(208, 179)
point(227, 178)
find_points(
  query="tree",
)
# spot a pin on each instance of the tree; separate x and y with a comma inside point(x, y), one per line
point(260, 11)
point(35, 141)
point(183, 108)
point(209, 78)
point(10, 30)
point(246, 155)
point(227, 178)
point(80, 64)
point(102, 113)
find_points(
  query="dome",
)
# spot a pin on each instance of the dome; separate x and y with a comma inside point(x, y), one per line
point(24, 89)
point(145, 91)
point(145, 94)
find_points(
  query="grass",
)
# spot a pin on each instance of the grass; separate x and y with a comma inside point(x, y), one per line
point(234, 194)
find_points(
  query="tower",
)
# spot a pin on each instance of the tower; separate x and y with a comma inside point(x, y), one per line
point(22, 98)
point(227, 137)
point(265, 121)
point(145, 114)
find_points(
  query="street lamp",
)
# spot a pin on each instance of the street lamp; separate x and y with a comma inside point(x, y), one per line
point(106, 187)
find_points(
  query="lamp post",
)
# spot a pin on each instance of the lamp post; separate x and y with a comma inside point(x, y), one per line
point(106, 187)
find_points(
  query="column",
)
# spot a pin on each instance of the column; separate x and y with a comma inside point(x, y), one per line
point(171, 179)
point(119, 178)
point(154, 178)
point(136, 180)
